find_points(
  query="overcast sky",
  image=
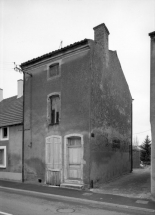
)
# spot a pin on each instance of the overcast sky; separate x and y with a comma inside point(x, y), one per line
point(31, 28)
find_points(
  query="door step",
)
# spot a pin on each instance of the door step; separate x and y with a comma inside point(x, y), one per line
point(72, 186)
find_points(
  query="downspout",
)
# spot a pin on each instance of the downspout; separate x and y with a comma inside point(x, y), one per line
point(131, 135)
point(90, 111)
point(90, 186)
point(23, 128)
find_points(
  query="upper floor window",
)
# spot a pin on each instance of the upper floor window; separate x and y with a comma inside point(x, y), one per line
point(54, 109)
point(5, 133)
point(53, 70)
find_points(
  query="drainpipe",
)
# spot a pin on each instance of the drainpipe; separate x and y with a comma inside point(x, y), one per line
point(23, 128)
point(131, 135)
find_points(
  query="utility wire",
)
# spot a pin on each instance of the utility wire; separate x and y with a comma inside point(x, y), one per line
point(142, 132)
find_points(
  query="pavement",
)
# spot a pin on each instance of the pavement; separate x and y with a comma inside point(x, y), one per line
point(135, 185)
point(119, 190)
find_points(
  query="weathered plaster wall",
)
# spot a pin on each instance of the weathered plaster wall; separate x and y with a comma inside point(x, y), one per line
point(13, 152)
point(73, 86)
point(110, 118)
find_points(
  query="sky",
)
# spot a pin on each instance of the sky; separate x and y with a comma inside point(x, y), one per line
point(31, 28)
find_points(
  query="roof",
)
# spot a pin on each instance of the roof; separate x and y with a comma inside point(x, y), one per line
point(51, 54)
point(11, 111)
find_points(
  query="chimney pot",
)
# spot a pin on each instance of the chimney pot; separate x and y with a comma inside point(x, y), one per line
point(20, 88)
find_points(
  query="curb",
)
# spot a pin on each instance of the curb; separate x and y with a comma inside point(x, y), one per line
point(73, 199)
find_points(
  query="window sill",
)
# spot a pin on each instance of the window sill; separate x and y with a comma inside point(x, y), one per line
point(3, 139)
point(54, 124)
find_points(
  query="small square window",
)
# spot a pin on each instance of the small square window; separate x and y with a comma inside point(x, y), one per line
point(2, 156)
point(5, 133)
point(53, 70)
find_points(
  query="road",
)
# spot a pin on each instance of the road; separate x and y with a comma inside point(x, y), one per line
point(14, 203)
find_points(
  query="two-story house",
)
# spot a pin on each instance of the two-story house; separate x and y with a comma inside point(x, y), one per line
point(77, 114)
point(11, 120)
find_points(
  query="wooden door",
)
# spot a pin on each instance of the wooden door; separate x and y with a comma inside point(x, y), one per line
point(74, 158)
point(53, 160)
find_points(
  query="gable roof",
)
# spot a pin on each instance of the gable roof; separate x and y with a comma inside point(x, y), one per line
point(11, 111)
point(58, 51)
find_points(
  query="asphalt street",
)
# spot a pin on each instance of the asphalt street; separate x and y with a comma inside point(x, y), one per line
point(14, 203)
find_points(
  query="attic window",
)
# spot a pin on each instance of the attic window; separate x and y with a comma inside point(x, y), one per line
point(53, 70)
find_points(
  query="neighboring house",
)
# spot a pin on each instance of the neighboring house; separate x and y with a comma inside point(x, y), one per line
point(152, 109)
point(77, 115)
point(11, 118)
point(136, 156)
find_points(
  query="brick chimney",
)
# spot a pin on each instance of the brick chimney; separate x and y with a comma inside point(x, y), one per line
point(101, 34)
point(20, 88)
point(1, 94)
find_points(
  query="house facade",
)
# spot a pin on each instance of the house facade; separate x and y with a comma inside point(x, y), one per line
point(11, 118)
point(77, 115)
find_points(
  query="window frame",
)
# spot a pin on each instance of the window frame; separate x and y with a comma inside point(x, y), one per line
point(49, 109)
point(58, 62)
point(1, 136)
point(3, 165)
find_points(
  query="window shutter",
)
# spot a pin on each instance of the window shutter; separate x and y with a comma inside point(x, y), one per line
point(57, 117)
point(53, 117)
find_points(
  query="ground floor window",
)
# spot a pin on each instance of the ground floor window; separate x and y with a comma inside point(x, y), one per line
point(4, 133)
point(2, 156)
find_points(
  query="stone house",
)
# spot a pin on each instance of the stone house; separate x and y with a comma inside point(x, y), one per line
point(11, 120)
point(77, 115)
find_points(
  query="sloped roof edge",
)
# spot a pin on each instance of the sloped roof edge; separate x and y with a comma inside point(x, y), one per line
point(11, 111)
point(51, 54)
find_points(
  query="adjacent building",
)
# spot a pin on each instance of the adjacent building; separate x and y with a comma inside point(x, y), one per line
point(77, 115)
point(11, 120)
point(152, 110)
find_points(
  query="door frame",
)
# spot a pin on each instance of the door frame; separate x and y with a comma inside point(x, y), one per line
point(61, 170)
point(66, 159)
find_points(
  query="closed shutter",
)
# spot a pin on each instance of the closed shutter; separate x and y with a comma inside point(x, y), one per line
point(53, 160)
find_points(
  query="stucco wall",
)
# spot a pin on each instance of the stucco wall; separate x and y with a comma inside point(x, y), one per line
point(110, 118)
point(73, 86)
point(13, 153)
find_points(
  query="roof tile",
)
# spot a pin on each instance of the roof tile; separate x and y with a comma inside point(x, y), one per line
point(11, 111)
point(35, 60)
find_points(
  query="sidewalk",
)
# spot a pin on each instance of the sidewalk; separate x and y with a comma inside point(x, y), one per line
point(135, 185)
point(79, 196)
